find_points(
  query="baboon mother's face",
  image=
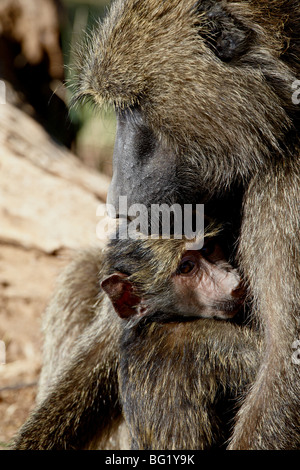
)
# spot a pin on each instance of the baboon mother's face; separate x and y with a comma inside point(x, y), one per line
point(199, 91)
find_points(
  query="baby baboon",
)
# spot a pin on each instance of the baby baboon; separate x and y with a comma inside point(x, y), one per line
point(194, 283)
point(179, 378)
point(80, 404)
point(203, 94)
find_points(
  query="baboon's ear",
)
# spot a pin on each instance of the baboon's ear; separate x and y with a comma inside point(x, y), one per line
point(122, 295)
point(223, 33)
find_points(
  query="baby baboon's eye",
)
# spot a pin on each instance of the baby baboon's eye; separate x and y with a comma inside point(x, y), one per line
point(186, 267)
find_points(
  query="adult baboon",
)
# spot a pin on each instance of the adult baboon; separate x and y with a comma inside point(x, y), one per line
point(192, 370)
point(181, 382)
point(203, 93)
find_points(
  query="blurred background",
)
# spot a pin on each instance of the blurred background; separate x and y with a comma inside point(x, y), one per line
point(55, 168)
point(36, 38)
point(95, 134)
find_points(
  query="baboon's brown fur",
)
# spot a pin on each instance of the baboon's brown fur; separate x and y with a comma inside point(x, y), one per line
point(181, 381)
point(213, 81)
point(78, 405)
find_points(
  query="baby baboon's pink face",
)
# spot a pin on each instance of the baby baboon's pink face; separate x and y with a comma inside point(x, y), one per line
point(207, 285)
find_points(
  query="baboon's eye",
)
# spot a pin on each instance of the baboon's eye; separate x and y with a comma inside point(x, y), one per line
point(224, 34)
point(186, 267)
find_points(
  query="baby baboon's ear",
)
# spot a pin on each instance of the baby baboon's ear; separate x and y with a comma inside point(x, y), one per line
point(121, 293)
point(223, 33)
